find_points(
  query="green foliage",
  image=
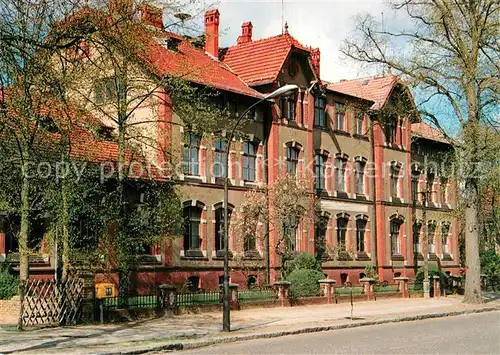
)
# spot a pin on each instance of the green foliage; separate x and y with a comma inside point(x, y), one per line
point(304, 282)
point(433, 271)
point(9, 284)
point(490, 266)
point(304, 261)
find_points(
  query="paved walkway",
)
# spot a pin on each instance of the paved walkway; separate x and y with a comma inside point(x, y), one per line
point(188, 329)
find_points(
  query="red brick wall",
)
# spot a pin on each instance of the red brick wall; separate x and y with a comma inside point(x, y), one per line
point(9, 310)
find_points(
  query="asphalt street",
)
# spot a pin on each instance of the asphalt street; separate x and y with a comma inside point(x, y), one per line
point(467, 334)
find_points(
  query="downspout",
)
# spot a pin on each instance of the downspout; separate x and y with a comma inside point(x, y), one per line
point(267, 132)
point(374, 195)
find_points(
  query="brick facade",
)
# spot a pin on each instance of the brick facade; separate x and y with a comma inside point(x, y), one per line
point(9, 311)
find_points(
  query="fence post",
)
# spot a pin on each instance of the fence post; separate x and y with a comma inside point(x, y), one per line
point(328, 286)
point(283, 287)
point(368, 286)
point(403, 286)
point(88, 302)
point(234, 304)
point(437, 286)
point(168, 298)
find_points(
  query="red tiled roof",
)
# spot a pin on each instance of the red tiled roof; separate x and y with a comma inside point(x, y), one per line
point(425, 130)
point(376, 89)
point(195, 65)
point(260, 61)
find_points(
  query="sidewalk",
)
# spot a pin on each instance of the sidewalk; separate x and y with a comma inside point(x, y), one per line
point(196, 330)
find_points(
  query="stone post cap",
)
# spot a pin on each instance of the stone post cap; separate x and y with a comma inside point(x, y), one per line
point(233, 285)
point(367, 279)
point(327, 281)
point(435, 277)
point(401, 278)
point(282, 283)
point(167, 287)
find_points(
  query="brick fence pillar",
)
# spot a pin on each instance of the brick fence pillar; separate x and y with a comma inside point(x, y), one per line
point(403, 286)
point(283, 288)
point(234, 304)
point(328, 287)
point(437, 286)
point(88, 302)
point(368, 283)
point(168, 298)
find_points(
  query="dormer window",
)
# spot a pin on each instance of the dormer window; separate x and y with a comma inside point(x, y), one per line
point(288, 105)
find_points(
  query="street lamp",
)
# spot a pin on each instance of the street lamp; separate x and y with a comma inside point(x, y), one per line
point(226, 321)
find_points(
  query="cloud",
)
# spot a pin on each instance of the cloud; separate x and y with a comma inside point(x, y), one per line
point(323, 24)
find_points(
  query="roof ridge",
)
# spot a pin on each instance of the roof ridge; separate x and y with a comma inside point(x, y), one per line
point(375, 76)
point(255, 41)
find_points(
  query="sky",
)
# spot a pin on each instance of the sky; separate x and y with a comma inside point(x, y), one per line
point(321, 23)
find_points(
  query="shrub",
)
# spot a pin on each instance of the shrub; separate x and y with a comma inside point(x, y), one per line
point(304, 261)
point(490, 266)
point(433, 271)
point(9, 284)
point(304, 282)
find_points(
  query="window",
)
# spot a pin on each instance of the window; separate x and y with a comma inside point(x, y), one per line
point(343, 278)
point(290, 232)
point(390, 131)
point(444, 184)
point(319, 171)
point(288, 105)
point(250, 243)
point(359, 123)
point(431, 231)
point(445, 229)
point(416, 237)
point(249, 157)
point(220, 158)
point(340, 174)
point(319, 112)
point(360, 177)
point(360, 235)
point(192, 219)
point(251, 281)
point(430, 186)
point(191, 154)
point(394, 180)
point(292, 159)
point(219, 228)
point(394, 234)
point(340, 110)
point(342, 232)
point(414, 185)
point(320, 237)
point(108, 89)
point(193, 283)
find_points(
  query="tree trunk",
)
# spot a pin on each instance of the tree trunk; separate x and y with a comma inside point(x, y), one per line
point(473, 274)
point(25, 228)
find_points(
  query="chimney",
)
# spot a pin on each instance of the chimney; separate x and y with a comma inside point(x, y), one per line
point(315, 60)
point(212, 32)
point(246, 33)
point(151, 15)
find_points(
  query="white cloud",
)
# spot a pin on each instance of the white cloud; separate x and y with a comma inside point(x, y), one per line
point(323, 24)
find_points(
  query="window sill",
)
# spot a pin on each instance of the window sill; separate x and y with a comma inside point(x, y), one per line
point(397, 257)
point(321, 128)
point(219, 254)
point(361, 136)
point(342, 133)
point(193, 253)
point(362, 256)
point(446, 257)
point(361, 197)
point(396, 200)
point(342, 194)
point(252, 255)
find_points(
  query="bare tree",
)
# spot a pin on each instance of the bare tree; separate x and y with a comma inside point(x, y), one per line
point(450, 52)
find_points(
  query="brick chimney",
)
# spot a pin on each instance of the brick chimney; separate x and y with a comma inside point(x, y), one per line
point(315, 60)
point(151, 15)
point(212, 32)
point(246, 33)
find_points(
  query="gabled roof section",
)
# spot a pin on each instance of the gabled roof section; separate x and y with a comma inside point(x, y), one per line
point(260, 62)
point(194, 65)
point(376, 88)
point(425, 130)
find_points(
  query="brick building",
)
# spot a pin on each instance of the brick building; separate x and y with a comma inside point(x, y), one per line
point(368, 162)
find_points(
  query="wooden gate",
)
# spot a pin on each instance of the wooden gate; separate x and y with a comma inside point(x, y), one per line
point(51, 302)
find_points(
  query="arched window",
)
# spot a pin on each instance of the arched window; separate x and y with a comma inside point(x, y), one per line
point(249, 158)
point(292, 159)
point(431, 232)
point(340, 113)
point(445, 230)
point(340, 173)
point(395, 170)
point(219, 228)
point(342, 222)
point(220, 147)
point(191, 154)
point(319, 112)
point(319, 171)
point(417, 226)
point(320, 236)
point(395, 227)
point(192, 238)
point(360, 175)
point(360, 234)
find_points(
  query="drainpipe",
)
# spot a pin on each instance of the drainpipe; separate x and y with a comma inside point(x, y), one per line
point(374, 195)
point(267, 132)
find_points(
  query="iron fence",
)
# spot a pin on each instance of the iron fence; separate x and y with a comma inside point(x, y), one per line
point(129, 302)
point(195, 299)
point(259, 295)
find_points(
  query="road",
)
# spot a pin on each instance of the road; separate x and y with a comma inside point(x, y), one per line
point(467, 334)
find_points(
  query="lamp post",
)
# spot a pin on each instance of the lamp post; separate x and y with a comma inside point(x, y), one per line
point(425, 249)
point(226, 321)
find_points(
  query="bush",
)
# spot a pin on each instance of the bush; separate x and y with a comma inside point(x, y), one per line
point(490, 266)
point(304, 261)
point(304, 282)
point(9, 284)
point(433, 271)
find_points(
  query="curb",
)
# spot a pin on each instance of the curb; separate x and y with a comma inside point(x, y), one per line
point(237, 338)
